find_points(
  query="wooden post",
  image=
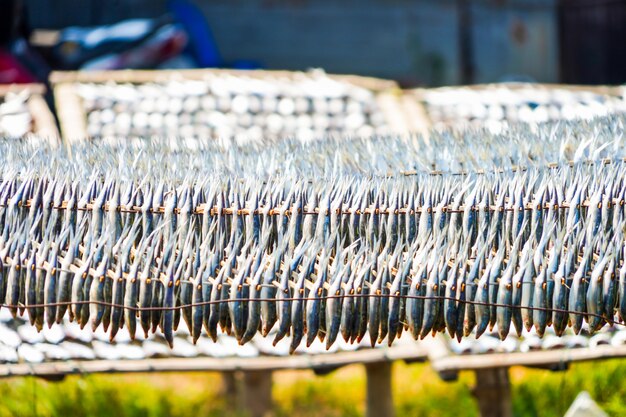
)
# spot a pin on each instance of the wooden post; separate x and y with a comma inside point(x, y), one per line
point(493, 392)
point(379, 397)
point(229, 385)
point(257, 393)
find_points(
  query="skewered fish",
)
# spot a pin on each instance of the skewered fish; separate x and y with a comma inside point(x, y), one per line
point(302, 248)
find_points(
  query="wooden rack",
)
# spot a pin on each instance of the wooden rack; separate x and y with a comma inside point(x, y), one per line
point(416, 99)
point(73, 118)
point(44, 124)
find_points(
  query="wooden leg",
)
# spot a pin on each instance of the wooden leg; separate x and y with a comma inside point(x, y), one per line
point(493, 392)
point(379, 397)
point(229, 387)
point(257, 393)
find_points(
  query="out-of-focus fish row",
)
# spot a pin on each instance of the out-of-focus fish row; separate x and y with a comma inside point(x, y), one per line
point(340, 257)
point(491, 106)
point(227, 106)
point(529, 341)
point(21, 342)
point(467, 151)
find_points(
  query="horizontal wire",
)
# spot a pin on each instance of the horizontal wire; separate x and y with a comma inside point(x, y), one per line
point(290, 299)
point(214, 211)
point(516, 168)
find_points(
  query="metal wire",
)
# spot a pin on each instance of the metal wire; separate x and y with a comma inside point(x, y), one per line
point(288, 299)
point(214, 211)
point(520, 168)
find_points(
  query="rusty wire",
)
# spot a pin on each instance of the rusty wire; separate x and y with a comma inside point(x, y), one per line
point(229, 211)
point(290, 299)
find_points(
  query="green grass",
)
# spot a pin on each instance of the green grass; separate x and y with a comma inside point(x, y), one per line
point(551, 393)
point(417, 391)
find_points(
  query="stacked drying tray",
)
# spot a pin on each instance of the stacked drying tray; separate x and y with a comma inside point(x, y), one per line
point(225, 104)
point(493, 105)
point(23, 111)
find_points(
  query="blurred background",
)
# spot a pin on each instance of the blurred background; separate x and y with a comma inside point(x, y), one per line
point(425, 43)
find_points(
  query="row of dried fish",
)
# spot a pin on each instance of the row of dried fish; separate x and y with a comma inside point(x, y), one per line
point(227, 125)
point(555, 258)
point(445, 152)
point(225, 105)
point(513, 103)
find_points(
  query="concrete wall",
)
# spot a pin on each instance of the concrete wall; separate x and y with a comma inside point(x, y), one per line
point(415, 42)
point(515, 38)
point(55, 14)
